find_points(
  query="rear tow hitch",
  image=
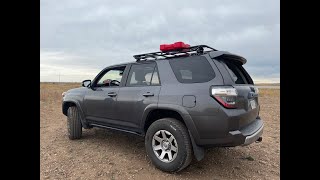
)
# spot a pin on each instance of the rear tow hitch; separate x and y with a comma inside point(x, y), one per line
point(259, 140)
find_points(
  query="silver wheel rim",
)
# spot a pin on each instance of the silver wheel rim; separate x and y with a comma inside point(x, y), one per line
point(164, 146)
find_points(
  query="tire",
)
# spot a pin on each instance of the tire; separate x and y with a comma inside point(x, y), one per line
point(181, 143)
point(74, 123)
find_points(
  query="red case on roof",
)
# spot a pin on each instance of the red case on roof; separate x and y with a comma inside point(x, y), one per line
point(174, 46)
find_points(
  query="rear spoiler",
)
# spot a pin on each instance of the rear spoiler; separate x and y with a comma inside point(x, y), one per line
point(227, 55)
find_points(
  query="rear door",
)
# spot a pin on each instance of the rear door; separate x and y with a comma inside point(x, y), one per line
point(247, 98)
point(141, 90)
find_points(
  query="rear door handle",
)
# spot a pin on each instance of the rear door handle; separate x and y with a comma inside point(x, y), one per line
point(147, 94)
point(112, 94)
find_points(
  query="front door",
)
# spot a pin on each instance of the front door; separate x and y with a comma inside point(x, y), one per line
point(100, 102)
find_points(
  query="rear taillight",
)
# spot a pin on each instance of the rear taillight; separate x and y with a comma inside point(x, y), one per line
point(225, 95)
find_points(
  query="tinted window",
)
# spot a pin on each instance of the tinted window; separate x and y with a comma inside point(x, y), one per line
point(143, 75)
point(192, 69)
point(235, 71)
point(155, 78)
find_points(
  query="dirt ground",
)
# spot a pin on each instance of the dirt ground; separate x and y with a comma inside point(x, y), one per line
point(106, 154)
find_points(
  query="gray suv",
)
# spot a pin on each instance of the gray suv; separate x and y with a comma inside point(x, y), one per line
point(180, 100)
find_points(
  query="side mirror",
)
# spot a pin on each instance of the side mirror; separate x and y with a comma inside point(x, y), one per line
point(86, 83)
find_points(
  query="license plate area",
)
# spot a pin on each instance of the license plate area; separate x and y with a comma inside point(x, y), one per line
point(253, 104)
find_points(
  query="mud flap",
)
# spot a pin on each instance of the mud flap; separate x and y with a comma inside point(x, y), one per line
point(197, 150)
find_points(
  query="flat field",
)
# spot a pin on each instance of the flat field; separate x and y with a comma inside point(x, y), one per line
point(106, 154)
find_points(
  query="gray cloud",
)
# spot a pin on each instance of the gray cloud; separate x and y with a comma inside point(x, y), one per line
point(94, 34)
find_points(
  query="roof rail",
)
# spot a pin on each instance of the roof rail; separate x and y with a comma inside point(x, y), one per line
point(191, 51)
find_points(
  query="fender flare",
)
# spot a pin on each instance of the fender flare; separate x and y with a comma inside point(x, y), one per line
point(187, 119)
point(82, 117)
point(179, 109)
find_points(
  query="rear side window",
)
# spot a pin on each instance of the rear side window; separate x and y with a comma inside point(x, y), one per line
point(236, 72)
point(195, 69)
point(155, 78)
point(143, 75)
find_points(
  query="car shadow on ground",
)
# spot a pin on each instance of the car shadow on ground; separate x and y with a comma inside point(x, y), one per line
point(215, 159)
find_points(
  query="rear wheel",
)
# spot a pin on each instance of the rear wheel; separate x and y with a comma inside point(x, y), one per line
point(74, 123)
point(168, 145)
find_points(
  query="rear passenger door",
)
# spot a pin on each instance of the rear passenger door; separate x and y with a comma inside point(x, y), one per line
point(141, 89)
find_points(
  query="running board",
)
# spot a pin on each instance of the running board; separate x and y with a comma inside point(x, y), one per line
point(117, 129)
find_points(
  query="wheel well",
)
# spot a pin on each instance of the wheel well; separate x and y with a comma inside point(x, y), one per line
point(156, 114)
point(66, 106)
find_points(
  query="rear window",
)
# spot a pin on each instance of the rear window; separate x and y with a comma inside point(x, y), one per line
point(195, 69)
point(236, 72)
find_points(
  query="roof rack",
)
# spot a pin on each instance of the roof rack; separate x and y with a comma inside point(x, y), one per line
point(191, 51)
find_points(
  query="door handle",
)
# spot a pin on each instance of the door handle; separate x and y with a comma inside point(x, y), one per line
point(147, 94)
point(112, 94)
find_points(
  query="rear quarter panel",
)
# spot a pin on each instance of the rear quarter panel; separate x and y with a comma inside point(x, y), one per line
point(205, 114)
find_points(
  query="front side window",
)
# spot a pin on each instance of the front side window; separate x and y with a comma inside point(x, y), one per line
point(111, 77)
point(143, 75)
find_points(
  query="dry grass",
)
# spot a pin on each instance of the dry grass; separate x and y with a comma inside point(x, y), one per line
point(51, 92)
point(267, 84)
point(269, 92)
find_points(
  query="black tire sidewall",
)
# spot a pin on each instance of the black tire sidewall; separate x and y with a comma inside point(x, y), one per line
point(70, 118)
point(74, 126)
point(69, 122)
point(178, 162)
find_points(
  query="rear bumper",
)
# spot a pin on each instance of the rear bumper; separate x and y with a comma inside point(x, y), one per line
point(242, 137)
point(254, 137)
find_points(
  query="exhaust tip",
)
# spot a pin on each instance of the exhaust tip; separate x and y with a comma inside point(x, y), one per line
point(259, 140)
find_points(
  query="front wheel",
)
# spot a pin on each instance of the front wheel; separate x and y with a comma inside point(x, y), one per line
point(74, 123)
point(168, 145)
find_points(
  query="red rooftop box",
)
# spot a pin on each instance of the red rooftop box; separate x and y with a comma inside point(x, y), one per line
point(174, 46)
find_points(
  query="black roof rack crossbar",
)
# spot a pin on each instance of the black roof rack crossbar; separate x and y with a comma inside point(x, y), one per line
point(193, 50)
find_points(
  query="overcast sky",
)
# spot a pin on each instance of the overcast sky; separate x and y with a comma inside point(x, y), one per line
point(78, 38)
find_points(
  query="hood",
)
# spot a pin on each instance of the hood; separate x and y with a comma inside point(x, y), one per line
point(80, 89)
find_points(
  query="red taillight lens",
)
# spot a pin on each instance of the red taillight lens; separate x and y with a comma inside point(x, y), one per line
point(226, 96)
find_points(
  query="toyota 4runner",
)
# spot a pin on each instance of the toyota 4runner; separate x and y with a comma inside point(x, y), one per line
point(181, 99)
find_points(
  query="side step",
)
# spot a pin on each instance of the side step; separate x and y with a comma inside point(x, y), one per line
point(116, 129)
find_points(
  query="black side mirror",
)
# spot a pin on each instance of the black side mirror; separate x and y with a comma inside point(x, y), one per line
point(86, 83)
